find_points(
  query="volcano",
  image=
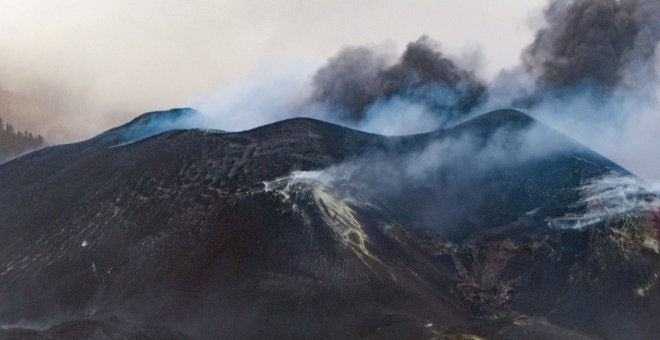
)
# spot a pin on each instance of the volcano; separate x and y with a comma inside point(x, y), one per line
point(257, 234)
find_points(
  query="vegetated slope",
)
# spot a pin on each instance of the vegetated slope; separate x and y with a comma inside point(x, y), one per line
point(14, 143)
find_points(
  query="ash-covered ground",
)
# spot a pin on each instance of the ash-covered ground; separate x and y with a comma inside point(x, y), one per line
point(498, 227)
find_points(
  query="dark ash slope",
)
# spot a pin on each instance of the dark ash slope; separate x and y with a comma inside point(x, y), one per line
point(178, 230)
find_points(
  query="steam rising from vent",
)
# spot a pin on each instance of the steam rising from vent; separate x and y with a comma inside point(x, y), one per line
point(335, 210)
point(440, 182)
point(359, 78)
point(608, 198)
point(466, 157)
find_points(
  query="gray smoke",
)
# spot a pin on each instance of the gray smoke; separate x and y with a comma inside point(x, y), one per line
point(440, 181)
point(359, 77)
point(597, 43)
point(590, 73)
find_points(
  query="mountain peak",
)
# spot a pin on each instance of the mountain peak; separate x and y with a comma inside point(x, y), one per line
point(429, 232)
point(150, 124)
point(499, 118)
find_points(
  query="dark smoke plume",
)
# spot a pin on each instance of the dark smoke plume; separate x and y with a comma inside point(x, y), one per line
point(593, 42)
point(359, 77)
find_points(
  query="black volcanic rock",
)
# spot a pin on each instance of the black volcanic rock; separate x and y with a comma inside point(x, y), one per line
point(107, 329)
point(216, 235)
point(149, 124)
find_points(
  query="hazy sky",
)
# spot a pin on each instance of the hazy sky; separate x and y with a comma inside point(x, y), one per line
point(72, 68)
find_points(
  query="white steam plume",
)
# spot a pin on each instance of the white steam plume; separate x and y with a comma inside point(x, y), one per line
point(610, 197)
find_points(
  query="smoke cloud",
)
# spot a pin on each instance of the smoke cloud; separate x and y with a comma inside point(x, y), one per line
point(275, 91)
point(365, 88)
point(598, 43)
point(448, 183)
point(591, 72)
point(359, 78)
point(607, 101)
point(74, 68)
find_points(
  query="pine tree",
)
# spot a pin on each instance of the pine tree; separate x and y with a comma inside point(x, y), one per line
point(14, 143)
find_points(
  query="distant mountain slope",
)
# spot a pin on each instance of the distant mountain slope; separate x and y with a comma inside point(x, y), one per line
point(14, 143)
point(297, 229)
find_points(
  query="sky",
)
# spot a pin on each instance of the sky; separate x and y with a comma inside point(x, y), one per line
point(70, 69)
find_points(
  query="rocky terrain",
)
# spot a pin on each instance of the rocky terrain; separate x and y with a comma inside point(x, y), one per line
point(106, 329)
point(305, 229)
